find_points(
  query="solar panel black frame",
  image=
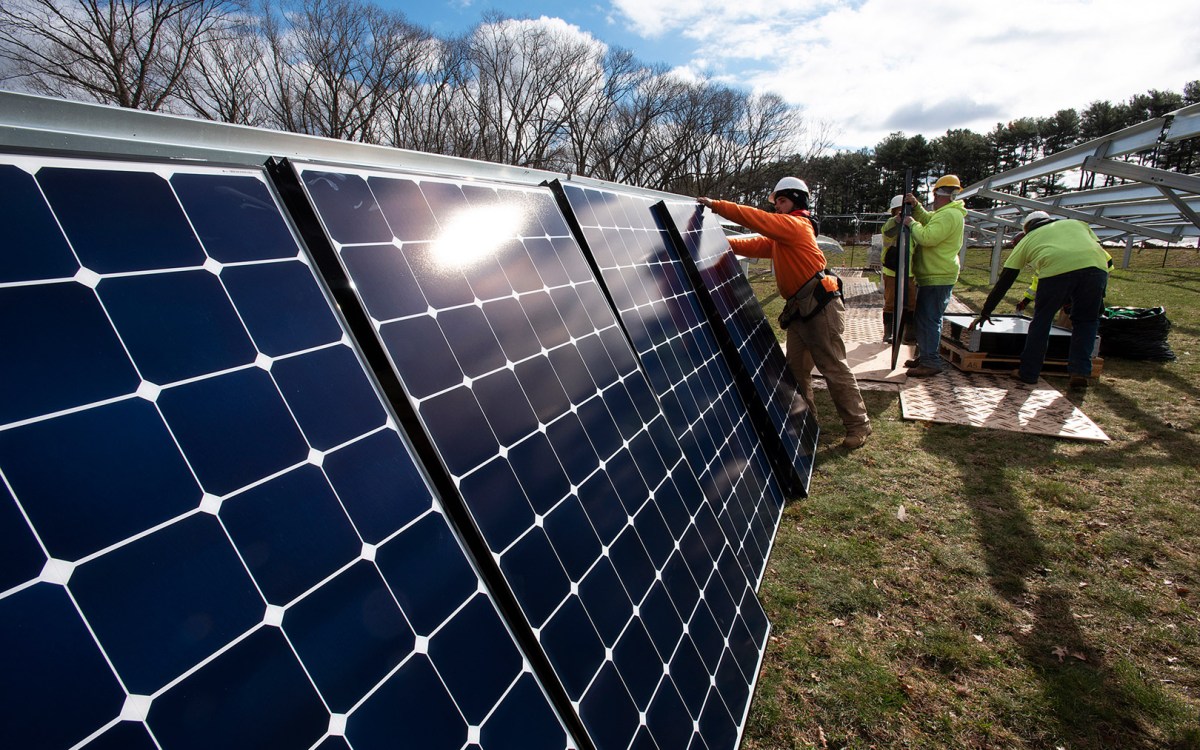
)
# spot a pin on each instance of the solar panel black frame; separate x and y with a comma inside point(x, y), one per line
point(602, 555)
point(212, 532)
point(748, 341)
point(658, 307)
point(900, 300)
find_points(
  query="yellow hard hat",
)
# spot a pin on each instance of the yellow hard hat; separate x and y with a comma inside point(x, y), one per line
point(950, 180)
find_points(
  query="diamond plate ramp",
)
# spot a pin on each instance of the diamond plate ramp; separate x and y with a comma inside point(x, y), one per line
point(996, 402)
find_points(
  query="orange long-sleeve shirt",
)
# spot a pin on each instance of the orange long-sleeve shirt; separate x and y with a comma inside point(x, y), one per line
point(788, 239)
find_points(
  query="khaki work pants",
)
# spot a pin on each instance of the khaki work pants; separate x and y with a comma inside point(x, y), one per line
point(818, 341)
point(889, 294)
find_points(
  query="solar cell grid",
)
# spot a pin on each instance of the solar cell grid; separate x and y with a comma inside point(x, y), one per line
point(751, 347)
point(538, 411)
point(212, 533)
point(656, 304)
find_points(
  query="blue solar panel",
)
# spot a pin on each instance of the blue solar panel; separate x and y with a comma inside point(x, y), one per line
point(750, 345)
point(537, 409)
point(212, 532)
point(658, 307)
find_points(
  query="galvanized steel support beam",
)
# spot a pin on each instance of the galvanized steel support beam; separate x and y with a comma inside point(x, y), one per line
point(1070, 213)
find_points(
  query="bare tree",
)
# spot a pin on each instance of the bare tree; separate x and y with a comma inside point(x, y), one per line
point(525, 92)
point(431, 113)
point(711, 138)
point(335, 66)
point(590, 106)
point(707, 142)
point(228, 75)
point(634, 140)
point(525, 76)
point(816, 137)
point(765, 128)
point(132, 53)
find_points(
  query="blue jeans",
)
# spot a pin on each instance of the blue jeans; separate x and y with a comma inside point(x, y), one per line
point(931, 306)
point(1084, 289)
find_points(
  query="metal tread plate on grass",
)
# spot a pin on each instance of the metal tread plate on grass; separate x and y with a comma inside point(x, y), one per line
point(861, 293)
point(956, 305)
point(863, 324)
point(996, 402)
point(863, 385)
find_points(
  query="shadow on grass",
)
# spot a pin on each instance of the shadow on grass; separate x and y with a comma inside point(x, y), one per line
point(1095, 706)
point(1162, 444)
point(768, 299)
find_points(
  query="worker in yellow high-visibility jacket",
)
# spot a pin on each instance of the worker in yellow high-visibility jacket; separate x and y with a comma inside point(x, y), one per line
point(1072, 268)
point(939, 236)
point(1064, 315)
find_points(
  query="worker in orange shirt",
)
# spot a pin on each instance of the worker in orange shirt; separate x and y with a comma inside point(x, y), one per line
point(814, 315)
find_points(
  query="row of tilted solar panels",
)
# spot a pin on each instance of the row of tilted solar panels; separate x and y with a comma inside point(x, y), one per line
point(312, 456)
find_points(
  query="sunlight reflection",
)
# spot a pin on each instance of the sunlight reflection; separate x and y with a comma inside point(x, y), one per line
point(475, 234)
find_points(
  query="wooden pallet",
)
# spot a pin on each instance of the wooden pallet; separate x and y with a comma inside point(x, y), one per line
point(969, 361)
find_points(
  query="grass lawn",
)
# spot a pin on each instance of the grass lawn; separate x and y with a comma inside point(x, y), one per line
point(1036, 593)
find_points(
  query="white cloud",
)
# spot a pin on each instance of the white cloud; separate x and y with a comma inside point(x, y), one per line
point(568, 33)
point(654, 18)
point(875, 66)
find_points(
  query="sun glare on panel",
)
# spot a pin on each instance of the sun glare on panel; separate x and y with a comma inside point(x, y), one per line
point(474, 234)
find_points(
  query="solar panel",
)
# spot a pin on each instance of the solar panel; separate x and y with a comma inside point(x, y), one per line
point(900, 300)
point(535, 406)
point(657, 305)
point(747, 340)
point(212, 532)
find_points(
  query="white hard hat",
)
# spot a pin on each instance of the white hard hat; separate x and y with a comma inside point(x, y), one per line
point(1034, 216)
point(897, 202)
point(789, 183)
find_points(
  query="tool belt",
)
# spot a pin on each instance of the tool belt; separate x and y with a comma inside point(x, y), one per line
point(811, 299)
point(891, 257)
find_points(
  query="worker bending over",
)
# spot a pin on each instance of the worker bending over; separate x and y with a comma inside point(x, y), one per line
point(1063, 320)
point(1072, 268)
point(814, 315)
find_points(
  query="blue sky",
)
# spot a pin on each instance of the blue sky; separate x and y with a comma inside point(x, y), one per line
point(860, 69)
point(448, 17)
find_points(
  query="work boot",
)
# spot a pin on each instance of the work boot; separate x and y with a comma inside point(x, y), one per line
point(914, 362)
point(1016, 375)
point(1077, 382)
point(910, 330)
point(921, 371)
point(888, 320)
point(857, 438)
